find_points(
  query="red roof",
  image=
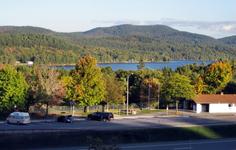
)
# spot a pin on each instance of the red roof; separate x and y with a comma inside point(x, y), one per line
point(215, 98)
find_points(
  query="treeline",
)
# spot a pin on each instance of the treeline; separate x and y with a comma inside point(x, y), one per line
point(159, 49)
point(123, 43)
point(89, 85)
point(34, 40)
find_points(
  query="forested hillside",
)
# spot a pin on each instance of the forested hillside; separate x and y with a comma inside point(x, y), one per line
point(122, 43)
point(229, 40)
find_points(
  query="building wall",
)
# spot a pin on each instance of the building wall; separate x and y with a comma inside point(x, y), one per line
point(198, 108)
point(222, 108)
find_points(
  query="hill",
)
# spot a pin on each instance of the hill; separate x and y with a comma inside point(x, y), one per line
point(24, 30)
point(112, 44)
point(229, 40)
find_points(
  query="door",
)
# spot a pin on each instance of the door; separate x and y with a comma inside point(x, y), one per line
point(205, 107)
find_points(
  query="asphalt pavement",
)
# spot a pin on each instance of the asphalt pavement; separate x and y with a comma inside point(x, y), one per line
point(117, 124)
point(220, 144)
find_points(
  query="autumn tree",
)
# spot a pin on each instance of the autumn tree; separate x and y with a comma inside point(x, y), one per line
point(217, 76)
point(150, 91)
point(88, 84)
point(199, 85)
point(13, 88)
point(47, 87)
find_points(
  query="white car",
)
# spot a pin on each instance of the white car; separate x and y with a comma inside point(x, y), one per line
point(18, 118)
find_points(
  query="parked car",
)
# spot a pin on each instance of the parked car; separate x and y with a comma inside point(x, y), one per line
point(101, 116)
point(66, 119)
point(19, 118)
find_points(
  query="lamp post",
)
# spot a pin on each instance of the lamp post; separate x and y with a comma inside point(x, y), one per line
point(158, 96)
point(127, 96)
point(149, 93)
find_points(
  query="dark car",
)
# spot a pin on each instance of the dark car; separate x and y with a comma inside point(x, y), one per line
point(101, 116)
point(66, 119)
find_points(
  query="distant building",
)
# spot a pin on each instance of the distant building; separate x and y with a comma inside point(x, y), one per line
point(30, 63)
point(17, 62)
point(215, 103)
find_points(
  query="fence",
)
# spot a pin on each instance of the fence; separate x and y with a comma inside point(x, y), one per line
point(78, 110)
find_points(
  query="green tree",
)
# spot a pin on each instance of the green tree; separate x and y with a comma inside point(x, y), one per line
point(217, 76)
point(114, 90)
point(88, 85)
point(30, 78)
point(141, 64)
point(13, 88)
point(177, 87)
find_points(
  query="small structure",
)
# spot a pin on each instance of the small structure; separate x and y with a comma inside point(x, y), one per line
point(215, 103)
point(30, 63)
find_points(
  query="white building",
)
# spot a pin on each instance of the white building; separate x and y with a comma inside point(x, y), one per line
point(215, 103)
point(30, 63)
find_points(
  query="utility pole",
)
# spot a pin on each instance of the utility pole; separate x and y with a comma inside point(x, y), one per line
point(149, 93)
point(127, 97)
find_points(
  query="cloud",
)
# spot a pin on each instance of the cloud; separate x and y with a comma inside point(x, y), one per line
point(229, 28)
point(214, 29)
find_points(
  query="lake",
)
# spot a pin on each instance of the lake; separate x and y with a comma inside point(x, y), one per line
point(149, 65)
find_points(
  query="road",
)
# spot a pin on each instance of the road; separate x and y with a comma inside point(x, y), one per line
point(156, 122)
point(223, 144)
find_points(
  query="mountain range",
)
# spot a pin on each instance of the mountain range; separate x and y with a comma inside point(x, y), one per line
point(123, 43)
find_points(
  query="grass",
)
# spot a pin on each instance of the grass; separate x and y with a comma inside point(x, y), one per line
point(204, 131)
point(149, 111)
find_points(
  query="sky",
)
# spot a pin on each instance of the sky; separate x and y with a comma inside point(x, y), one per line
point(216, 18)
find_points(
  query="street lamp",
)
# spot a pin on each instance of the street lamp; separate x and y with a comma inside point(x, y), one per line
point(149, 93)
point(127, 96)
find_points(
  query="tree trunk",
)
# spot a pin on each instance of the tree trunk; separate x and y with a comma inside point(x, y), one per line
point(107, 107)
point(46, 110)
point(73, 110)
point(167, 109)
point(86, 109)
point(176, 106)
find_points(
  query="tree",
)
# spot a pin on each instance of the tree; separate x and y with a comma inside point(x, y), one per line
point(217, 76)
point(151, 89)
point(30, 78)
point(199, 85)
point(177, 87)
point(141, 64)
point(48, 88)
point(13, 88)
point(88, 84)
point(114, 90)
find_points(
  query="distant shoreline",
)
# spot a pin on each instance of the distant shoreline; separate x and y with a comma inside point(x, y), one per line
point(62, 65)
point(124, 62)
